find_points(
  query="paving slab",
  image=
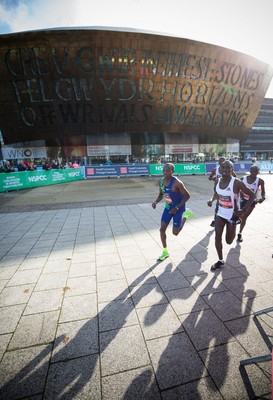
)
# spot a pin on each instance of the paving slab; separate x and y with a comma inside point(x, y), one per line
point(88, 312)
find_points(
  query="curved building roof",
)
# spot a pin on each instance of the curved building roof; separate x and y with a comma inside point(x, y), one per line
point(63, 82)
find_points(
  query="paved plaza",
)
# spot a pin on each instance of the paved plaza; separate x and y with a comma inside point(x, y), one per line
point(87, 311)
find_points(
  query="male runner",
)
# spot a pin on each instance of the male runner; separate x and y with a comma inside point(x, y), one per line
point(254, 183)
point(227, 191)
point(176, 196)
point(214, 175)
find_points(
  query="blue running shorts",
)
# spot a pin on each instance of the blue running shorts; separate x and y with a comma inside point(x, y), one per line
point(177, 217)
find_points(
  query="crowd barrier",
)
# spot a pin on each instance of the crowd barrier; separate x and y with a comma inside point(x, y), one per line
point(31, 179)
point(141, 170)
point(157, 169)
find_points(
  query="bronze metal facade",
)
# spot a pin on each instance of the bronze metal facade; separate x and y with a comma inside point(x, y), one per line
point(60, 83)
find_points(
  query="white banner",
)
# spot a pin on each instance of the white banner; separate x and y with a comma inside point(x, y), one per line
point(181, 148)
point(13, 153)
point(111, 150)
point(233, 145)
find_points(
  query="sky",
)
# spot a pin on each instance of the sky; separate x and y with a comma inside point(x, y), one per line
point(242, 25)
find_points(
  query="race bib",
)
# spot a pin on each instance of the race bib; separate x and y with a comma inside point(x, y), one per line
point(225, 202)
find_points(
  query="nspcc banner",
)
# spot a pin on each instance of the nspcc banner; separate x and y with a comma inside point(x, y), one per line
point(31, 179)
point(179, 169)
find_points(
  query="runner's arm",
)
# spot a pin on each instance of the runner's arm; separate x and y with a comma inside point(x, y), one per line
point(179, 186)
point(261, 184)
point(212, 176)
point(159, 197)
point(211, 200)
point(239, 185)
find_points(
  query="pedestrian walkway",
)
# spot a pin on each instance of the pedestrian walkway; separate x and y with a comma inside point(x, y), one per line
point(87, 311)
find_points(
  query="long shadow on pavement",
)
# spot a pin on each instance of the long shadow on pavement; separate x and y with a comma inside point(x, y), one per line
point(190, 363)
point(67, 378)
point(195, 361)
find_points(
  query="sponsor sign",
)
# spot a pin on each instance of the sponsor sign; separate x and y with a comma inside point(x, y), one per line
point(100, 171)
point(180, 169)
point(111, 150)
point(31, 179)
point(265, 166)
point(117, 170)
point(242, 167)
point(139, 169)
point(17, 153)
point(238, 167)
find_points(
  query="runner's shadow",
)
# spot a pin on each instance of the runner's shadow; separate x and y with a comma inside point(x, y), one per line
point(62, 369)
point(195, 359)
point(65, 373)
point(174, 280)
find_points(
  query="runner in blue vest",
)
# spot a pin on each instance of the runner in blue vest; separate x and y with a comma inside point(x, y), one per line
point(176, 196)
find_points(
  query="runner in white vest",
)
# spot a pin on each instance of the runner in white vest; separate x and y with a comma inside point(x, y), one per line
point(215, 174)
point(227, 191)
point(254, 183)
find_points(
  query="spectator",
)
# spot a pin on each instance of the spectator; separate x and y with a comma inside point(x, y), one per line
point(54, 165)
point(75, 164)
point(31, 166)
point(46, 165)
point(21, 166)
point(8, 167)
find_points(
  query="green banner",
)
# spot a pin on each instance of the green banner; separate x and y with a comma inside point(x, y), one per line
point(31, 179)
point(179, 169)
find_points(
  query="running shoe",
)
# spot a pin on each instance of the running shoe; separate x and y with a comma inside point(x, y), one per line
point(217, 265)
point(165, 254)
point(188, 214)
point(239, 237)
